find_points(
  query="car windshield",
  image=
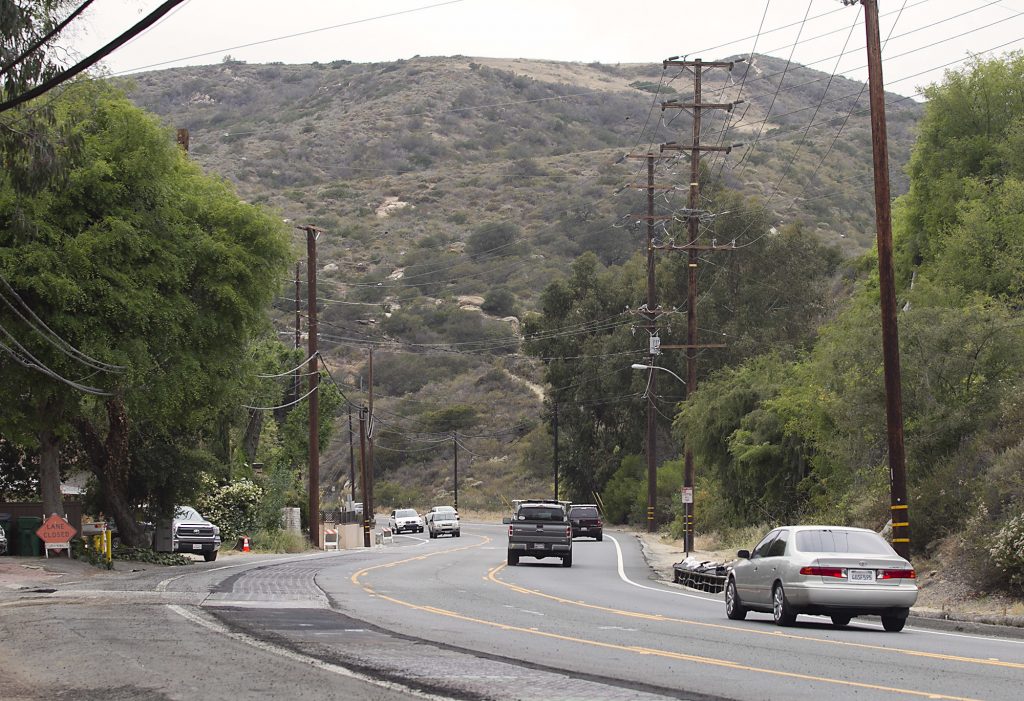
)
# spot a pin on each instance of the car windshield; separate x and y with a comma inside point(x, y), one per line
point(405, 513)
point(444, 516)
point(584, 512)
point(827, 540)
point(541, 513)
point(187, 513)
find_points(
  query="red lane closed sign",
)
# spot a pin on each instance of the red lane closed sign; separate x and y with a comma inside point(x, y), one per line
point(56, 530)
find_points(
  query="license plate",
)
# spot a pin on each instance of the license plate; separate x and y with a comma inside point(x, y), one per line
point(197, 546)
point(538, 546)
point(861, 576)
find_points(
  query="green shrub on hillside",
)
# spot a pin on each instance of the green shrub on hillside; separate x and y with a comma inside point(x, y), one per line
point(1008, 552)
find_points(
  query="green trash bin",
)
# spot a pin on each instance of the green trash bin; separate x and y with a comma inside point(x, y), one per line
point(28, 542)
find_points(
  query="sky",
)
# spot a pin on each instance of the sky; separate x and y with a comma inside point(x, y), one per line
point(923, 37)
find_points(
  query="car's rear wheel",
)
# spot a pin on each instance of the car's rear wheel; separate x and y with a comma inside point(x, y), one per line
point(513, 559)
point(781, 609)
point(458, 534)
point(841, 620)
point(733, 608)
point(567, 560)
point(894, 624)
point(211, 556)
point(600, 536)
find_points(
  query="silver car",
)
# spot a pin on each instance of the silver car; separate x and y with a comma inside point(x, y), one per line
point(826, 570)
point(443, 519)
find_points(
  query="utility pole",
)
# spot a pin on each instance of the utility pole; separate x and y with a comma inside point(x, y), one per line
point(369, 438)
point(351, 455)
point(556, 449)
point(362, 475)
point(650, 311)
point(455, 446)
point(887, 287)
point(693, 215)
point(298, 325)
point(314, 384)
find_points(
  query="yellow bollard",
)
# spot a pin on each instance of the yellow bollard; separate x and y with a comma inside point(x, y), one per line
point(109, 545)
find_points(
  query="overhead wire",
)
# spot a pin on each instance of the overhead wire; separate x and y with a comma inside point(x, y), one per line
point(95, 57)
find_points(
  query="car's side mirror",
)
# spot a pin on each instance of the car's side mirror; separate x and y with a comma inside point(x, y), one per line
point(743, 554)
point(507, 520)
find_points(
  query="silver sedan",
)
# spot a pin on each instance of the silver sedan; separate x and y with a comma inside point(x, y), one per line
point(826, 570)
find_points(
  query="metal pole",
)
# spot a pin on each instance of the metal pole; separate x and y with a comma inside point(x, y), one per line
point(652, 380)
point(455, 445)
point(887, 288)
point(314, 399)
point(556, 450)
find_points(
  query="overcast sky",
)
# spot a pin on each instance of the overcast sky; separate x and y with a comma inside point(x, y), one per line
point(925, 34)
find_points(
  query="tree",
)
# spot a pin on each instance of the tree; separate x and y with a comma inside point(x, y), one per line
point(142, 261)
point(34, 147)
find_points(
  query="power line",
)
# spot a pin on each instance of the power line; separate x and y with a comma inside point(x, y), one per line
point(95, 57)
point(45, 38)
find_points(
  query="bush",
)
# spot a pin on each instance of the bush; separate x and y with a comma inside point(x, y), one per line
point(499, 302)
point(1008, 552)
point(233, 507)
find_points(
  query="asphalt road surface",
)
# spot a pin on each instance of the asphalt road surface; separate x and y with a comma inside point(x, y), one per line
point(446, 618)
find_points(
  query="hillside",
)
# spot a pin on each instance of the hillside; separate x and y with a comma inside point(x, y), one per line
point(441, 180)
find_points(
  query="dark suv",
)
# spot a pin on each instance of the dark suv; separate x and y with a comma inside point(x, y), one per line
point(586, 520)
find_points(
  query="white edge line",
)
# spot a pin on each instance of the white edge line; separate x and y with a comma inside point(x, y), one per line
point(218, 627)
point(627, 580)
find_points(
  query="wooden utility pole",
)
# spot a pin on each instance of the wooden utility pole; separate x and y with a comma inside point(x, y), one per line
point(351, 455)
point(362, 475)
point(887, 288)
point(693, 215)
point(298, 326)
point(314, 384)
point(368, 505)
point(650, 311)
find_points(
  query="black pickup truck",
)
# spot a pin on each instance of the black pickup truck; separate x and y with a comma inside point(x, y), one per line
point(539, 528)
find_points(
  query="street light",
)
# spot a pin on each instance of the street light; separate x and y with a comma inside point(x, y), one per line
point(652, 476)
point(641, 366)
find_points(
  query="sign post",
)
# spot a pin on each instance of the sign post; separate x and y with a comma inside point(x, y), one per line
point(687, 496)
point(56, 534)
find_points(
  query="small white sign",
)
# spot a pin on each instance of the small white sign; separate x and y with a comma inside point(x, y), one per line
point(687, 493)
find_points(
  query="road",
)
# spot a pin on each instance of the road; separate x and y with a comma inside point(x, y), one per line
point(446, 618)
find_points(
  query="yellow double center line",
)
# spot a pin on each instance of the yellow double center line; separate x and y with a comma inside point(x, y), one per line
point(654, 652)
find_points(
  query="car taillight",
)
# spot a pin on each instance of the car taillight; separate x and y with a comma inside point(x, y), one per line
point(510, 531)
point(838, 572)
point(568, 532)
point(599, 522)
point(897, 574)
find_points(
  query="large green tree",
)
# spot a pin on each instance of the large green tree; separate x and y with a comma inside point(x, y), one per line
point(142, 261)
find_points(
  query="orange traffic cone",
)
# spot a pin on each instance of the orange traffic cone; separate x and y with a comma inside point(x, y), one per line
point(245, 544)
